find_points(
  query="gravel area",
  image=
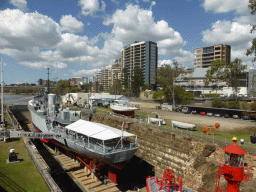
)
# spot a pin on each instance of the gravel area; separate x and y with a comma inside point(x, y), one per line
point(200, 120)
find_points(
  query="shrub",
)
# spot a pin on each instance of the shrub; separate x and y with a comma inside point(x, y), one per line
point(212, 95)
point(245, 106)
point(233, 105)
point(217, 103)
point(253, 106)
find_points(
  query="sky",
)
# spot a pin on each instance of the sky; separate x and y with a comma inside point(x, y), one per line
point(76, 38)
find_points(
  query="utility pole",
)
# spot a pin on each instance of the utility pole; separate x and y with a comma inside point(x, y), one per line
point(2, 95)
point(48, 81)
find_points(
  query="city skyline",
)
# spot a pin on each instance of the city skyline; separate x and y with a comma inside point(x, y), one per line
point(78, 38)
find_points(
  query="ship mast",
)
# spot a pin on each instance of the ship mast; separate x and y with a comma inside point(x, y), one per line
point(48, 90)
point(2, 95)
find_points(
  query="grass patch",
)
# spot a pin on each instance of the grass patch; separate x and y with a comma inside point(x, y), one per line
point(22, 176)
point(9, 125)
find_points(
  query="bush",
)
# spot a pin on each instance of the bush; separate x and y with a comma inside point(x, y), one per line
point(212, 95)
point(233, 105)
point(217, 103)
point(253, 106)
point(245, 106)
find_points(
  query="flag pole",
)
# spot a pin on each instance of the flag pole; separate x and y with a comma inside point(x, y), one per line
point(122, 134)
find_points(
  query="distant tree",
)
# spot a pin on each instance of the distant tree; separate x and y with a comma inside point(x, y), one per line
point(252, 50)
point(137, 81)
point(101, 88)
point(40, 81)
point(124, 78)
point(233, 73)
point(116, 88)
point(63, 87)
point(166, 76)
point(215, 73)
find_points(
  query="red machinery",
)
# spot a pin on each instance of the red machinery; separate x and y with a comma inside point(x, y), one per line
point(233, 168)
point(167, 183)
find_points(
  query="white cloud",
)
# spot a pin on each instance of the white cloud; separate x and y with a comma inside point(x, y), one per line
point(152, 4)
point(231, 33)
point(133, 24)
point(21, 4)
point(71, 24)
point(146, 1)
point(23, 31)
point(245, 19)
point(164, 62)
point(90, 7)
point(44, 65)
point(220, 6)
point(83, 72)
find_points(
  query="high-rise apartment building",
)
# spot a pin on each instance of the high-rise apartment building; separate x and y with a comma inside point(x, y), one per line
point(144, 55)
point(204, 56)
point(107, 76)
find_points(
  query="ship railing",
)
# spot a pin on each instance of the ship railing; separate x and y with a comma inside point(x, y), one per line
point(100, 148)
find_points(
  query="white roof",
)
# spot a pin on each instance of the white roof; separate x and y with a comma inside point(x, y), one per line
point(98, 97)
point(96, 130)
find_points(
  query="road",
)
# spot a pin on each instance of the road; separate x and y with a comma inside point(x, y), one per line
point(199, 120)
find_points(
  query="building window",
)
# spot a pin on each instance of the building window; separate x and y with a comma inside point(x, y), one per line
point(199, 51)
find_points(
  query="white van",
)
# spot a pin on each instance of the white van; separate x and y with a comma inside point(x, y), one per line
point(223, 95)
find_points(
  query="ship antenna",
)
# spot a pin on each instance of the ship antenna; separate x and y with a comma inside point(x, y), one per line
point(48, 81)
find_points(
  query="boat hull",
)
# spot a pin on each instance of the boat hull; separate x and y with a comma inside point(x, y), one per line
point(182, 125)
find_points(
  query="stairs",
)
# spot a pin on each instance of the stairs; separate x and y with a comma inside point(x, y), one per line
point(86, 178)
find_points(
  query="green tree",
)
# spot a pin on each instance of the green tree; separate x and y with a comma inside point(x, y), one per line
point(233, 73)
point(230, 73)
point(252, 7)
point(100, 88)
point(63, 87)
point(137, 81)
point(116, 88)
point(40, 81)
point(124, 78)
point(215, 73)
point(166, 76)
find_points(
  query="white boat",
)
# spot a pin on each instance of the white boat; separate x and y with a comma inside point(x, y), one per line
point(124, 108)
point(181, 125)
point(156, 120)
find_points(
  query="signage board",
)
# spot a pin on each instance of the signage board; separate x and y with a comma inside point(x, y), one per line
point(37, 135)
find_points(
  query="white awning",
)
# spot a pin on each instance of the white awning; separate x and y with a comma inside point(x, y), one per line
point(96, 130)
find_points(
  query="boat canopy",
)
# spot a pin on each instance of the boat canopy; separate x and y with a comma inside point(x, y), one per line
point(96, 130)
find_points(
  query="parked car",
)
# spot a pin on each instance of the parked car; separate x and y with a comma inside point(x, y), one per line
point(202, 113)
point(178, 109)
point(226, 116)
point(245, 117)
point(185, 110)
point(223, 95)
point(240, 95)
point(193, 112)
point(235, 117)
point(246, 95)
point(209, 114)
point(217, 115)
point(232, 96)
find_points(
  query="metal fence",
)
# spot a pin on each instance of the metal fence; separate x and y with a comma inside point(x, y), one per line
point(193, 134)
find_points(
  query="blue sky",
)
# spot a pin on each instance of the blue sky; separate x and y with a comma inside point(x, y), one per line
point(76, 38)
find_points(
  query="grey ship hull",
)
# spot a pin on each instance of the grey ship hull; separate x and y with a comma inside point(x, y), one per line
point(39, 122)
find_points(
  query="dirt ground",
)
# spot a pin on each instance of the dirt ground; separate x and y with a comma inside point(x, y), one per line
point(201, 121)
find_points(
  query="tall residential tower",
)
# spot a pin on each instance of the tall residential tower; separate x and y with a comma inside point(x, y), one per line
point(144, 55)
point(204, 56)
